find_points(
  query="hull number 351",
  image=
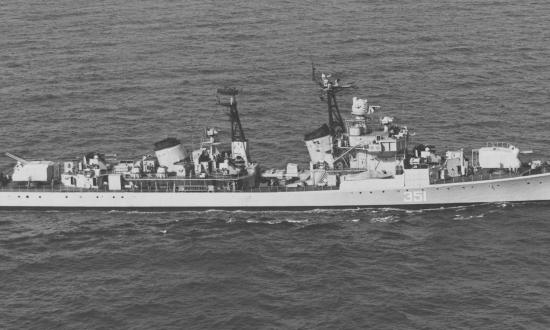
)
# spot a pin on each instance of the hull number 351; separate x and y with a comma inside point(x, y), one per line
point(414, 196)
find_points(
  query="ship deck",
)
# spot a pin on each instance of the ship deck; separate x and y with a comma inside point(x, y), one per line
point(175, 185)
point(486, 177)
point(170, 189)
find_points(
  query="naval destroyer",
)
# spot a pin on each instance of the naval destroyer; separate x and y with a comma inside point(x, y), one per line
point(367, 160)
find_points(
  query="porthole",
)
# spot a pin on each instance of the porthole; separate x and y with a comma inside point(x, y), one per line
point(27, 196)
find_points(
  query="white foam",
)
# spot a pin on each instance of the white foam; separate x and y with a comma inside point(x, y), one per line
point(460, 217)
point(387, 219)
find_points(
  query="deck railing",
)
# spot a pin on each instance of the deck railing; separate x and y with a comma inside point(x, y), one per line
point(482, 177)
point(173, 187)
point(188, 189)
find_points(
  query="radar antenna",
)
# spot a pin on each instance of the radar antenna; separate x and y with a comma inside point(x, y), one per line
point(329, 89)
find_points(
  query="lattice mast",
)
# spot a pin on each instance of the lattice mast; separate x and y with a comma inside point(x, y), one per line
point(239, 143)
point(237, 133)
point(329, 90)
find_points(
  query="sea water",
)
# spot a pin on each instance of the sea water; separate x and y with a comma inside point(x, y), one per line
point(112, 76)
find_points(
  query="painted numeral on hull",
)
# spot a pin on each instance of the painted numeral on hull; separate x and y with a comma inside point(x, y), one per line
point(414, 196)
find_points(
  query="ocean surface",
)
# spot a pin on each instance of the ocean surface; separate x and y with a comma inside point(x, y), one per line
point(116, 76)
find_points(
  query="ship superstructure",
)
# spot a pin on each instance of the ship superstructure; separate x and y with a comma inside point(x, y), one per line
point(364, 142)
point(169, 168)
point(363, 161)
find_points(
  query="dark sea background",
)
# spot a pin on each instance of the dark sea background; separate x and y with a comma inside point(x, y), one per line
point(116, 76)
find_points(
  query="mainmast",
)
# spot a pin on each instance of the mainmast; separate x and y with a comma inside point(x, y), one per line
point(237, 133)
point(239, 143)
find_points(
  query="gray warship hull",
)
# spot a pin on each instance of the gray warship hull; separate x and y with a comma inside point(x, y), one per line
point(362, 195)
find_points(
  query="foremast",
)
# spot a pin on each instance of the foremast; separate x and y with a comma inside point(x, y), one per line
point(329, 90)
point(364, 142)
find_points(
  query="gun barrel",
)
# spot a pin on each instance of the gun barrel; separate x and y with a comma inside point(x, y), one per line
point(14, 157)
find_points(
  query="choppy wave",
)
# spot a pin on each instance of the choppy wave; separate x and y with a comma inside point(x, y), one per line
point(115, 77)
point(468, 217)
point(386, 219)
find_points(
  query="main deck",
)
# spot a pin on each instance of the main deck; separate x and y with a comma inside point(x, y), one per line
point(194, 185)
point(513, 189)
